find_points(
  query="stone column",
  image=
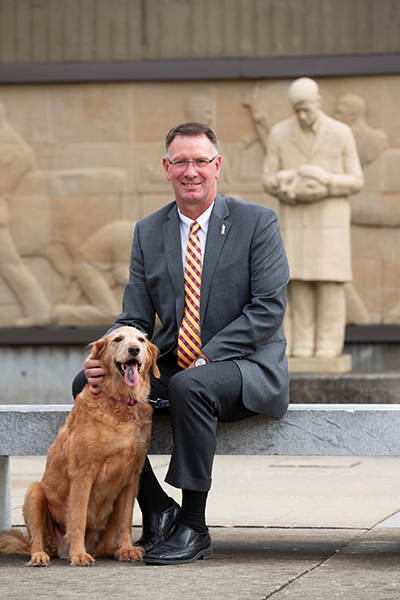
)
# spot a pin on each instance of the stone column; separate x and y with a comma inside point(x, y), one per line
point(5, 493)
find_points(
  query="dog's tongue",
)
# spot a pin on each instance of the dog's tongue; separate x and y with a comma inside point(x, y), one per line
point(131, 376)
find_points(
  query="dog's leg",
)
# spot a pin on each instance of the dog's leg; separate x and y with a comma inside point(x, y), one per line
point(36, 515)
point(77, 515)
point(107, 545)
point(124, 508)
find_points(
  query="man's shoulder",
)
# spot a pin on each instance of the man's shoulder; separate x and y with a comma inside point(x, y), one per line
point(242, 208)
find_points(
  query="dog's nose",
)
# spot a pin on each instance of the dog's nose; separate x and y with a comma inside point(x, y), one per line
point(134, 350)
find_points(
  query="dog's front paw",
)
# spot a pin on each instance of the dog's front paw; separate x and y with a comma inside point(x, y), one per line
point(82, 559)
point(39, 559)
point(129, 554)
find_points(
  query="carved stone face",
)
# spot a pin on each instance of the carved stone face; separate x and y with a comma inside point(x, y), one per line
point(307, 111)
point(347, 111)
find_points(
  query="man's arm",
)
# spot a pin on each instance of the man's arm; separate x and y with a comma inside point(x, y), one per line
point(352, 180)
point(137, 307)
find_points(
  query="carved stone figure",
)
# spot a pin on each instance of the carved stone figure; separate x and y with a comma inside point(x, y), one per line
point(352, 109)
point(375, 221)
point(253, 101)
point(371, 144)
point(16, 159)
point(101, 268)
point(312, 166)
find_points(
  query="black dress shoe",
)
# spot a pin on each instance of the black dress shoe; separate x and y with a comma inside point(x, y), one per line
point(184, 545)
point(156, 527)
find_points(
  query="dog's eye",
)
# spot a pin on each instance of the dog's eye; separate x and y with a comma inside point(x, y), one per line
point(118, 339)
point(141, 340)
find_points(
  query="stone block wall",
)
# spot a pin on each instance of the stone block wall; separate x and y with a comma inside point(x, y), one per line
point(117, 30)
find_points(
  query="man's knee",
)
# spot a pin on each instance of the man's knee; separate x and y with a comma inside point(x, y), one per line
point(188, 386)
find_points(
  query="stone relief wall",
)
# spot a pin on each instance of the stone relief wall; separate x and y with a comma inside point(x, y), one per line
point(81, 163)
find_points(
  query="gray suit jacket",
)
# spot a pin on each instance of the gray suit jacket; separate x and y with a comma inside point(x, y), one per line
point(243, 293)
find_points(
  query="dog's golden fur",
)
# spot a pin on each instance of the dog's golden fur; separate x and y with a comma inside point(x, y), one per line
point(83, 505)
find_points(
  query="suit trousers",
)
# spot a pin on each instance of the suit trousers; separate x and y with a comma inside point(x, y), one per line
point(198, 399)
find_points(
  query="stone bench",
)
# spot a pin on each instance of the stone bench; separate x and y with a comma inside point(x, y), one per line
point(306, 429)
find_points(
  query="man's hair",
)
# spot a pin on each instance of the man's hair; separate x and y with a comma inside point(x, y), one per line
point(190, 129)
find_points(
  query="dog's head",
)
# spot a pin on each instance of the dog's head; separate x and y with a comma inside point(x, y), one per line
point(127, 355)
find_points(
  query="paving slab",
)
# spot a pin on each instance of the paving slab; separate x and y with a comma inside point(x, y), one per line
point(248, 564)
point(367, 568)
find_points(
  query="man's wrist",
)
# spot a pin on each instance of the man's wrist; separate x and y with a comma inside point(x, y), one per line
point(201, 360)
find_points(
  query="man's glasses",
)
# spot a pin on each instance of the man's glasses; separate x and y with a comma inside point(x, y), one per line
point(198, 163)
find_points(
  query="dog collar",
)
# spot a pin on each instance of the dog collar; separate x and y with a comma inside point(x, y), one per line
point(159, 403)
point(131, 402)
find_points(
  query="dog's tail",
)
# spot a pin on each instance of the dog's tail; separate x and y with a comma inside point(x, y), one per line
point(14, 542)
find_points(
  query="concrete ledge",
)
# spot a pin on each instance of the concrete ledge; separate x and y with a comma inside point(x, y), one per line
point(317, 429)
point(349, 388)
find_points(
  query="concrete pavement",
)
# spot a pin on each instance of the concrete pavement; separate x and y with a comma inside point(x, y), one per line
point(310, 528)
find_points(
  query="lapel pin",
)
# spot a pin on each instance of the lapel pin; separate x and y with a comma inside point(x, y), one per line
point(223, 230)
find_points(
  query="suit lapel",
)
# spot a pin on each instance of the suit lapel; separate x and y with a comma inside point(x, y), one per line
point(173, 255)
point(217, 234)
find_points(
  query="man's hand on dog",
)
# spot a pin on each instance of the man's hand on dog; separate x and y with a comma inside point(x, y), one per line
point(94, 372)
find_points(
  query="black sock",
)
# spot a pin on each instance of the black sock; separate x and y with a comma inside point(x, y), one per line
point(193, 510)
point(151, 497)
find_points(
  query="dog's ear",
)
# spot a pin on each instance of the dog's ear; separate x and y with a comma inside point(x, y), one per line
point(153, 353)
point(97, 348)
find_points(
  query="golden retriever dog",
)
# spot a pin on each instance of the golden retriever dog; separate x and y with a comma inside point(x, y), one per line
point(83, 505)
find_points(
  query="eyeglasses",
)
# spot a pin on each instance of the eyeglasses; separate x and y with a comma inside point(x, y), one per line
point(198, 163)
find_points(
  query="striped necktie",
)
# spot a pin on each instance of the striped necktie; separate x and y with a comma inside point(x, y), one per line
point(189, 341)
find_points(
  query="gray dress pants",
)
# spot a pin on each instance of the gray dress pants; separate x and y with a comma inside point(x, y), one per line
point(198, 398)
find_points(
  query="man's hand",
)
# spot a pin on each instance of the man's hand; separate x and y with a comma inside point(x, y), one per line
point(315, 172)
point(94, 372)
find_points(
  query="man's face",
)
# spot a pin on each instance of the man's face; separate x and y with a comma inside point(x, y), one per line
point(195, 189)
point(307, 111)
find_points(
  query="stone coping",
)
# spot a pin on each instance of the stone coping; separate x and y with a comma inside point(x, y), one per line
point(61, 336)
point(200, 69)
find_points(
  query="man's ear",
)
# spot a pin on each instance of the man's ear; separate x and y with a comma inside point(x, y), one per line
point(97, 348)
point(153, 352)
point(165, 163)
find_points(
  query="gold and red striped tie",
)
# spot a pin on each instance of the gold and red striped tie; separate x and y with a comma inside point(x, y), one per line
point(189, 341)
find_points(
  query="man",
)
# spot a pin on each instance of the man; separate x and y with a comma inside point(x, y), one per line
point(237, 366)
point(312, 166)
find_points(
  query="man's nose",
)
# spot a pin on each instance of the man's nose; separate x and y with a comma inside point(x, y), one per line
point(190, 170)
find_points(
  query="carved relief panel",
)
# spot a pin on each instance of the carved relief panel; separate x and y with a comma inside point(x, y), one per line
point(81, 163)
